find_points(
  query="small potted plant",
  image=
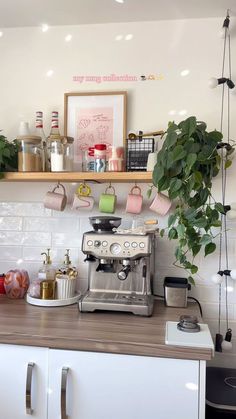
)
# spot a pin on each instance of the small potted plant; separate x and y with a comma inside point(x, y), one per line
point(186, 165)
point(8, 155)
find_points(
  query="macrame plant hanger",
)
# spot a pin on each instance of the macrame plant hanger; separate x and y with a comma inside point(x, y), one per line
point(224, 147)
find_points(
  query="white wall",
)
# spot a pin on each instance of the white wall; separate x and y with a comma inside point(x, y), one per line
point(161, 48)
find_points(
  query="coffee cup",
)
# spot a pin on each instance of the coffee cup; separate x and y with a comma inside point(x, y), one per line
point(161, 204)
point(82, 202)
point(82, 199)
point(134, 201)
point(54, 200)
point(107, 201)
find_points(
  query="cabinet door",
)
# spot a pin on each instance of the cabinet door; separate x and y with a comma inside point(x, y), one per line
point(22, 367)
point(105, 386)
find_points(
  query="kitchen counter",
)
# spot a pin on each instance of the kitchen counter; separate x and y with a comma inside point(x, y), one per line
point(67, 328)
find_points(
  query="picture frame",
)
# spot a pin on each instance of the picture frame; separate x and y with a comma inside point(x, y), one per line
point(95, 117)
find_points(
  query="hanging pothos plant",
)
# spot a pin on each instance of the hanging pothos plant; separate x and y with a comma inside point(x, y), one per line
point(186, 166)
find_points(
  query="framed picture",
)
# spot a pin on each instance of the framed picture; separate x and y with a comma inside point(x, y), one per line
point(95, 117)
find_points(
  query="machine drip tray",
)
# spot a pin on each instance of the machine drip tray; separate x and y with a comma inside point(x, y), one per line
point(116, 298)
point(136, 303)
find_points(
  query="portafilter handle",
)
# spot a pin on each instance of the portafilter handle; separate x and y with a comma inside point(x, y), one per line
point(90, 258)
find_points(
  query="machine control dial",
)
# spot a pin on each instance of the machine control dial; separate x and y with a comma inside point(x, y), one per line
point(141, 245)
point(97, 243)
point(104, 243)
point(134, 245)
point(115, 248)
point(89, 243)
point(126, 245)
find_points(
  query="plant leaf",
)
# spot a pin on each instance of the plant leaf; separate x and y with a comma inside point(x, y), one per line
point(172, 233)
point(158, 173)
point(191, 159)
point(180, 230)
point(228, 163)
point(219, 207)
point(179, 153)
point(171, 220)
point(194, 269)
point(191, 280)
point(210, 248)
point(171, 139)
point(149, 193)
point(206, 238)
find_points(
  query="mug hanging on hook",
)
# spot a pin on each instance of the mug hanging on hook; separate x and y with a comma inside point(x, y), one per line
point(134, 200)
point(82, 199)
point(107, 202)
point(55, 200)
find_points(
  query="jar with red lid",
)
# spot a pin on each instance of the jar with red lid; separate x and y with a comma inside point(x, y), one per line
point(100, 157)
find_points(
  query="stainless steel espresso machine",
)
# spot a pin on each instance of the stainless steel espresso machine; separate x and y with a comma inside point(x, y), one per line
point(120, 269)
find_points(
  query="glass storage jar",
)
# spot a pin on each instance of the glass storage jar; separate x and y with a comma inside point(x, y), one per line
point(30, 154)
point(61, 154)
point(68, 143)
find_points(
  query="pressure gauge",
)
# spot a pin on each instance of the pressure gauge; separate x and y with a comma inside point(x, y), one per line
point(115, 248)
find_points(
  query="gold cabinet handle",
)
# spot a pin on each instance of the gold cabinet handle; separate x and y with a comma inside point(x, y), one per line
point(28, 406)
point(64, 375)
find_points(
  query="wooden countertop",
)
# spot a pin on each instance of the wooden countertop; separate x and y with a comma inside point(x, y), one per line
point(67, 328)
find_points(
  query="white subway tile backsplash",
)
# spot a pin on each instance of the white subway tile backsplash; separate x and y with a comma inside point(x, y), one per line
point(10, 253)
point(67, 240)
point(37, 239)
point(210, 310)
point(51, 224)
point(23, 209)
point(11, 223)
point(20, 239)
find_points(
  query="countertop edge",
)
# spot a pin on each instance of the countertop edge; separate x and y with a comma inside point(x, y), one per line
point(162, 351)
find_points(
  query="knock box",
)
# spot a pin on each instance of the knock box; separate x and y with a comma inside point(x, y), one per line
point(176, 291)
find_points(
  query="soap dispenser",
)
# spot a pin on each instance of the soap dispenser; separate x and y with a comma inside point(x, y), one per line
point(47, 271)
point(66, 268)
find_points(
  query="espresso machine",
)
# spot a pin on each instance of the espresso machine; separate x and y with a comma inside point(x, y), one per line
point(121, 269)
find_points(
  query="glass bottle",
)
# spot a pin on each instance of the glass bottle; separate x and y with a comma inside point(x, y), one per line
point(40, 132)
point(56, 146)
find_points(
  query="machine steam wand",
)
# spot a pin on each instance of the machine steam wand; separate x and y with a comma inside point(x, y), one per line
point(124, 272)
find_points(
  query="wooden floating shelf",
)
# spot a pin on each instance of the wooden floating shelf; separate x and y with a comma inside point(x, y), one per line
point(106, 177)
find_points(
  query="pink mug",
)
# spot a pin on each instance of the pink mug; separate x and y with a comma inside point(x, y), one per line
point(161, 204)
point(54, 200)
point(134, 201)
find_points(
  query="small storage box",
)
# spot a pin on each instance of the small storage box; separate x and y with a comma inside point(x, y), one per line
point(220, 396)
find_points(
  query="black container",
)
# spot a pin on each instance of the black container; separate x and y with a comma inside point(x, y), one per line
point(137, 151)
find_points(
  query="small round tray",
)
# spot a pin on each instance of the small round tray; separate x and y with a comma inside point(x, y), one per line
point(52, 303)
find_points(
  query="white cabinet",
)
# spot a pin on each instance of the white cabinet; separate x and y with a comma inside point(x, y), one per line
point(88, 385)
point(16, 362)
point(105, 386)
